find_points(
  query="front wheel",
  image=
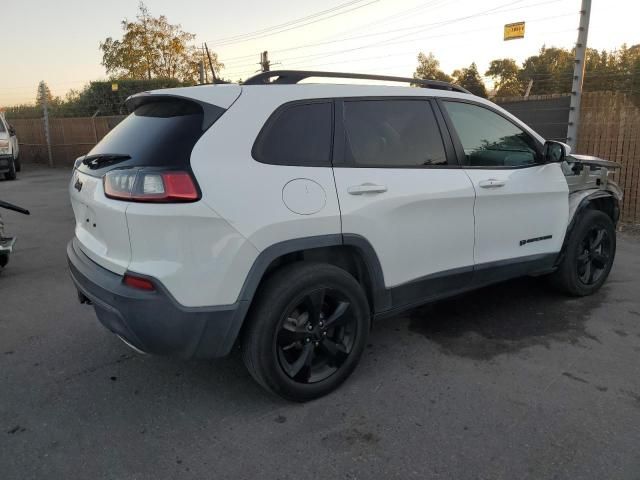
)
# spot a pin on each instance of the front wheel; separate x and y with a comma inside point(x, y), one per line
point(589, 255)
point(307, 330)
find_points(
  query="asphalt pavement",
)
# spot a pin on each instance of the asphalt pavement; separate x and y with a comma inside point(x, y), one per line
point(511, 381)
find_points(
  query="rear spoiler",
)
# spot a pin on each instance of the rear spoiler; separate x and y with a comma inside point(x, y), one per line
point(211, 112)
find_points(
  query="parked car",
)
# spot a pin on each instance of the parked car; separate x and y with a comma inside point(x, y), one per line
point(7, 242)
point(9, 150)
point(285, 218)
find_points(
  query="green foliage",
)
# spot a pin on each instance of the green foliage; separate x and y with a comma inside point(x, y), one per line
point(470, 79)
point(505, 75)
point(429, 69)
point(43, 94)
point(551, 71)
point(151, 47)
point(97, 98)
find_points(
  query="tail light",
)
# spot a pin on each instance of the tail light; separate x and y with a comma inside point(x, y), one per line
point(138, 282)
point(150, 185)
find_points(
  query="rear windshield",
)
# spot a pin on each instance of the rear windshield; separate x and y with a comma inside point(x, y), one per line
point(160, 133)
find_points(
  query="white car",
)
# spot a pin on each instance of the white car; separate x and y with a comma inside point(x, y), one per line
point(285, 217)
point(9, 150)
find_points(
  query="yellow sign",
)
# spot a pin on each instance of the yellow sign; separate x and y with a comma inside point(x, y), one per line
point(513, 31)
point(114, 87)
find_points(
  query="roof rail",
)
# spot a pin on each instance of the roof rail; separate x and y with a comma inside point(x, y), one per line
point(289, 77)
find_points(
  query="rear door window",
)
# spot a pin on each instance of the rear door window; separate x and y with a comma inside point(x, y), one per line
point(392, 133)
point(298, 134)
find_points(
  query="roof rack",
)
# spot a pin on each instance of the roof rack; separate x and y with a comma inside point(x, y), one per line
point(289, 77)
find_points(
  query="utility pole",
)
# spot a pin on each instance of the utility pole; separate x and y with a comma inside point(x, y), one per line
point(201, 71)
point(578, 75)
point(265, 64)
point(47, 134)
point(214, 80)
point(206, 75)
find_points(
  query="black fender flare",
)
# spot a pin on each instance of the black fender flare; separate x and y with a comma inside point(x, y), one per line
point(584, 205)
point(277, 250)
point(381, 296)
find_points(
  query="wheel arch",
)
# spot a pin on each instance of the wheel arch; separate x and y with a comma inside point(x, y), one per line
point(352, 253)
point(602, 200)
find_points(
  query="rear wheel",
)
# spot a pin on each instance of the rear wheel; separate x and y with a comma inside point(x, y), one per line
point(589, 255)
point(11, 174)
point(306, 331)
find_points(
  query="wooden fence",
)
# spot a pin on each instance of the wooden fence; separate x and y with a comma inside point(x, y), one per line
point(70, 137)
point(609, 128)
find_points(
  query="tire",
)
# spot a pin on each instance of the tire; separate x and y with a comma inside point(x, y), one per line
point(17, 164)
point(284, 353)
point(11, 174)
point(588, 257)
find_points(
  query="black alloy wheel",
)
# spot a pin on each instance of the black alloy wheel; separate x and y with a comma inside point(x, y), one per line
point(316, 336)
point(306, 330)
point(588, 255)
point(594, 255)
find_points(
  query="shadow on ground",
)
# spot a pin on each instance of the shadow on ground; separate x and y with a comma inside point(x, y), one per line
point(504, 318)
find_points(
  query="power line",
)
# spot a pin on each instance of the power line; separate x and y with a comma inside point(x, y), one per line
point(290, 22)
point(294, 27)
point(417, 28)
point(400, 39)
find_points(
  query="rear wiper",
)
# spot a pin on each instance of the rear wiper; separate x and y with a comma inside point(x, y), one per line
point(103, 159)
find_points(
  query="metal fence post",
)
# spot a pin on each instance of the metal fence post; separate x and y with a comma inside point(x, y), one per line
point(47, 134)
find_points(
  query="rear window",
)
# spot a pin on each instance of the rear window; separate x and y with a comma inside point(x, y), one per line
point(297, 135)
point(159, 133)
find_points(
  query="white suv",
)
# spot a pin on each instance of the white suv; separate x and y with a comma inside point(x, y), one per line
point(285, 218)
point(9, 150)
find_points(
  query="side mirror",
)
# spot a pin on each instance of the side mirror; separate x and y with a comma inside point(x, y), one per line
point(555, 152)
point(12, 131)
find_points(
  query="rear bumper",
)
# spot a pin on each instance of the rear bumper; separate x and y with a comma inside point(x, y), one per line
point(154, 322)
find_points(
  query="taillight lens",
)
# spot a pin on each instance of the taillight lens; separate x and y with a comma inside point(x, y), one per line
point(138, 282)
point(150, 185)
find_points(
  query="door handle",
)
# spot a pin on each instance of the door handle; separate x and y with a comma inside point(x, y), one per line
point(366, 188)
point(492, 183)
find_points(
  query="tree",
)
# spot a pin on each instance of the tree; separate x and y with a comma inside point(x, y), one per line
point(505, 76)
point(43, 93)
point(429, 68)
point(470, 79)
point(551, 71)
point(151, 47)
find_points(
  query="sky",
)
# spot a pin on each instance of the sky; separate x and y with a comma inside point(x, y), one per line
point(58, 41)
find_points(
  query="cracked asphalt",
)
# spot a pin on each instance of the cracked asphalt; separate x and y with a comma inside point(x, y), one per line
point(511, 381)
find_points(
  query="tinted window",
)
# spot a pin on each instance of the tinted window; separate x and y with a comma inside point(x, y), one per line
point(2, 130)
point(160, 133)
point(488, 139)
point(392, 133)
point(297, 135)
